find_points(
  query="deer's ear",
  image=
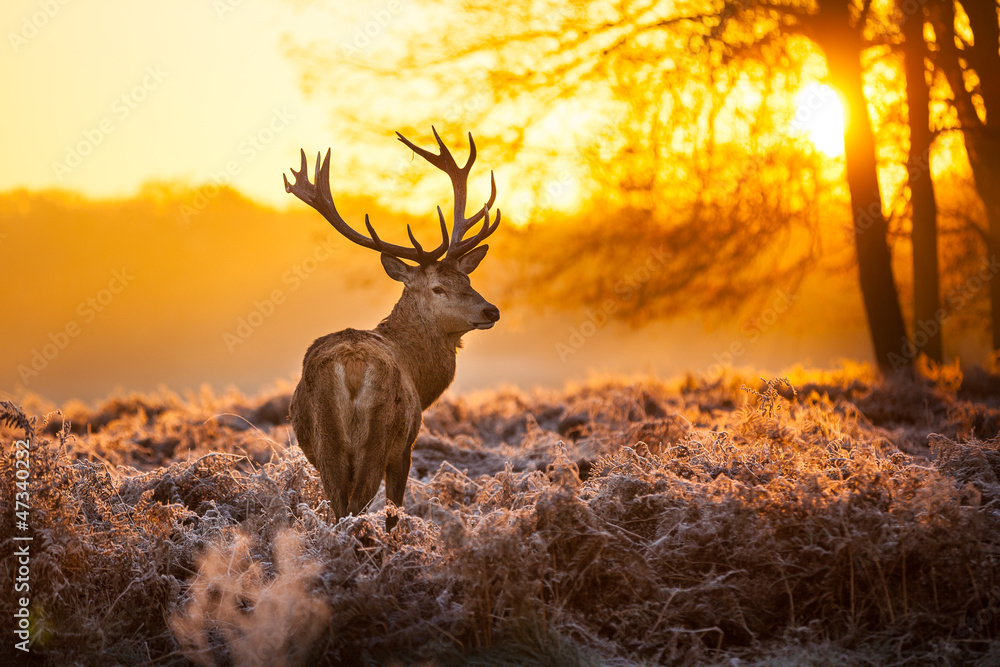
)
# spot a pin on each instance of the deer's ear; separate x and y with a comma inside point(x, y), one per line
point(396, 268)
point(468, 262)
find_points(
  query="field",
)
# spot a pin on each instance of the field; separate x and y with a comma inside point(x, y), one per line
point(824, 518)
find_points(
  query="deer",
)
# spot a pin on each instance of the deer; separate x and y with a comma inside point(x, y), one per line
point(358, 406)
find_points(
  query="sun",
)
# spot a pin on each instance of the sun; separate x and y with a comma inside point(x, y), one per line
point(819, 115)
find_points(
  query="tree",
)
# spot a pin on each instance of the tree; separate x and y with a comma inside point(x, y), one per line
point(923, 207)
point(663, 115)
point(841, 38)
point(968, 56)
point(687, 149)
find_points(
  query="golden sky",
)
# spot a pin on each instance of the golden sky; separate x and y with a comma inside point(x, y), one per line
point(185, 89)
point(109, 95)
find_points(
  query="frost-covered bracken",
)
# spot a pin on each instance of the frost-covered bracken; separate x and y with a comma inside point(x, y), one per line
point(853, 521)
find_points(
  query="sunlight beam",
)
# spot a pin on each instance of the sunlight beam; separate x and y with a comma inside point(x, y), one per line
point(819, 117)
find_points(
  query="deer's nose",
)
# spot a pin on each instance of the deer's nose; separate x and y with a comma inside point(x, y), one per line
point(492, 313)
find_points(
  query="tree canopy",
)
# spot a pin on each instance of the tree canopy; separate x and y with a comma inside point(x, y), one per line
point(623, 128)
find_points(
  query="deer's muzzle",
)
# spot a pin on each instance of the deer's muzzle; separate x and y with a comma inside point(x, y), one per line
point(491, 315)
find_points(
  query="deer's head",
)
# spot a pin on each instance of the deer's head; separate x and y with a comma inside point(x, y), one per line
point(444, 292)
point(439, 281)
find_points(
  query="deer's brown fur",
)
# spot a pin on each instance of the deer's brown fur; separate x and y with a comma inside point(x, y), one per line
point(356, 410)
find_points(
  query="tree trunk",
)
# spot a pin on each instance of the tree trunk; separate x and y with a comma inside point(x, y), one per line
point(926, 290)
point(986, 61)
point(842, 44)
point(982, 139)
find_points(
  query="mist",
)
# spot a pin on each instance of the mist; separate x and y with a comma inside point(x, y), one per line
point(134, 295)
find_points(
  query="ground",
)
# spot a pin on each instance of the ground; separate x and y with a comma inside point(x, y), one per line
point(824, 518)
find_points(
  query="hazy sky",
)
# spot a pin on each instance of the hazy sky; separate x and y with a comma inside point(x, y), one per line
point(107, 95)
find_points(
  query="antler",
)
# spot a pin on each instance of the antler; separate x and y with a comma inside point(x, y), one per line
point(459, 182)
point(318, 196)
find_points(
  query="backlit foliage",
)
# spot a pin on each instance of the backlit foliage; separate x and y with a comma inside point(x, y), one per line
point(852, 521)
point(619, 127)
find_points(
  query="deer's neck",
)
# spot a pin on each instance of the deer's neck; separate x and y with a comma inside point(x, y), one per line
point(424, 352)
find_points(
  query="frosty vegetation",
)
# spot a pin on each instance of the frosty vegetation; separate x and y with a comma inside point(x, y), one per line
point(831, 519)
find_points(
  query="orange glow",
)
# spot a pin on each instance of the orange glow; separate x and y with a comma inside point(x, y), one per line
point(148, 155)
point(819, 115)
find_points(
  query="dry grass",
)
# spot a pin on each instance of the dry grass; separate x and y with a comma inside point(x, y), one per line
point(847, 521)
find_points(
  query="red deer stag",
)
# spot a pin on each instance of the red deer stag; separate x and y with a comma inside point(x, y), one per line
point(357, 409)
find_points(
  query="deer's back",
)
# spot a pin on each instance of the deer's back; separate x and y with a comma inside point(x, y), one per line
point(348, 379)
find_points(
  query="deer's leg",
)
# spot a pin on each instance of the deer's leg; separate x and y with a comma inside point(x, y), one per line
point(364, 491)
point(336, 485)
point(396, 475)
point(303, 425)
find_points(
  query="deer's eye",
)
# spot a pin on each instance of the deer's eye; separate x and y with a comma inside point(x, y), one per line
point(439, 291)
